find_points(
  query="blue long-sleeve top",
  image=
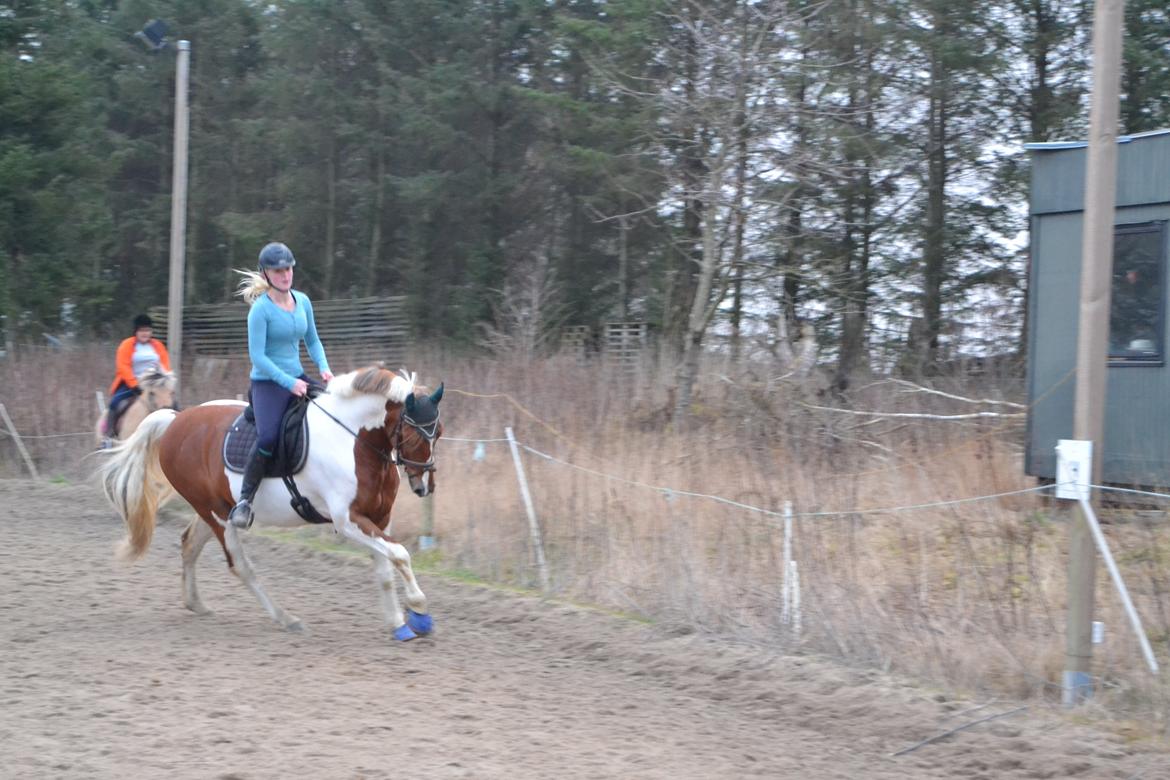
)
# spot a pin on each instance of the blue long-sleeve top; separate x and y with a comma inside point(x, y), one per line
point(274, 340)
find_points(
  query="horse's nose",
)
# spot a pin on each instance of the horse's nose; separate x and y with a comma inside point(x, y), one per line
point(420, 489)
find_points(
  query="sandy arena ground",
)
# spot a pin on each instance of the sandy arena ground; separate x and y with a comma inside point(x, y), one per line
point(104, 674)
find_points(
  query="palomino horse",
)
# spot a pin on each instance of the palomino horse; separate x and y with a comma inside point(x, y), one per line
point(158, 392)
point(366, 424)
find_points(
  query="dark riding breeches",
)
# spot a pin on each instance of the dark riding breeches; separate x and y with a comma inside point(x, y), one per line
point(121, 393)
point(269, 402)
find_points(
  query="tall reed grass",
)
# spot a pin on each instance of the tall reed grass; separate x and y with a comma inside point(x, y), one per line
point(968, 596)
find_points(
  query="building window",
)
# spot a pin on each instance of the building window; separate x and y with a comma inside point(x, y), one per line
point(1136, 316)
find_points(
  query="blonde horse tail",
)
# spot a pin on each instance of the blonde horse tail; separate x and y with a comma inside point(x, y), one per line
point(134, 483)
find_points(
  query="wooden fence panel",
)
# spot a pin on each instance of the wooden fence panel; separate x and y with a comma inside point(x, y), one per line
point(364, 329)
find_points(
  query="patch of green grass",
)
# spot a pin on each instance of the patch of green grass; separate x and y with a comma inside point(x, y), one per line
point(617, 613)
point(312, 539)
point(1131, 731)
point(427, 560)
point(1039, 519)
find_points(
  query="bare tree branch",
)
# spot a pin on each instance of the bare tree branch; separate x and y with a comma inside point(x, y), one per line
point(918, 415)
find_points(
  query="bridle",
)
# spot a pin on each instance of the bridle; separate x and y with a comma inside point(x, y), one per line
point(428, 430)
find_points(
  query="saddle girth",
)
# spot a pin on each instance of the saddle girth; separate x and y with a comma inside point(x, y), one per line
point(301, 505)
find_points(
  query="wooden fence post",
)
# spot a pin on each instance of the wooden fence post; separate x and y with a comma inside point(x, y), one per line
point(19, 444)
point(426, 540)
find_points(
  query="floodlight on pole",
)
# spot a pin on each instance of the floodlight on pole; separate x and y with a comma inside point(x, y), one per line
point(153, 34)
point(1093, 334)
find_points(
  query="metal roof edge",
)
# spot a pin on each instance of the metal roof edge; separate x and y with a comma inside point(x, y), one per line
point(1052, 146)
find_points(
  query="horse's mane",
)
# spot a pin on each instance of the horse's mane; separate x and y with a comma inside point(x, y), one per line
point(157, 377)
point(374, 380)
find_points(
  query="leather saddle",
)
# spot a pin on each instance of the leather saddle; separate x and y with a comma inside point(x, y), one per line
point(292, 447)
point(292, 450)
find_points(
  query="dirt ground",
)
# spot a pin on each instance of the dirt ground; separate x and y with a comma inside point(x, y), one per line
point(104, 674)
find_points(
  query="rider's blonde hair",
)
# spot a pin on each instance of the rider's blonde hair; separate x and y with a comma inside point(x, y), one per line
point(252, 286)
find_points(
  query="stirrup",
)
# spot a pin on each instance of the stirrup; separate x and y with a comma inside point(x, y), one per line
point(241, 515)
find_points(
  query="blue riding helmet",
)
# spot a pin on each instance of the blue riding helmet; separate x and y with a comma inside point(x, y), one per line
point(276, 256)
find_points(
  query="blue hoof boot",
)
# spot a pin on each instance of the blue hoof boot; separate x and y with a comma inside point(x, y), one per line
point(422, 624)
point(404, 633)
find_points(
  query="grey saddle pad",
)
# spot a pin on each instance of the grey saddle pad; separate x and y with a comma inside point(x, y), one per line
point(292, 449)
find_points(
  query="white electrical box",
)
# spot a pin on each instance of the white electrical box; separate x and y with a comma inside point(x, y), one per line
point(1074, 468)
point(1098, 632)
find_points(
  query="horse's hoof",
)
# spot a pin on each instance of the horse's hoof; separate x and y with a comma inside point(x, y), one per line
point(420, 623)
point(295, 627)
point(404, 633)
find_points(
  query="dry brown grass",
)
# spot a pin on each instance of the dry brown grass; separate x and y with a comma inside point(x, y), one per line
point(970, 596)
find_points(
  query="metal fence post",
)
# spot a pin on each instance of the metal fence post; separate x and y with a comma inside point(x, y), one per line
point(533, 526)
point(786, 589)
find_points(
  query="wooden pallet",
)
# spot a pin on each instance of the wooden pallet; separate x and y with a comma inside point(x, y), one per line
point(575, 340)
point(623, 343)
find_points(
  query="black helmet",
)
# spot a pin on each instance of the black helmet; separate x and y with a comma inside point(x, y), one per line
point(143, 321)
point(275, 256)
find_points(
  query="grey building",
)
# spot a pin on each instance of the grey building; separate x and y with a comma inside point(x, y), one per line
point(1137, 414)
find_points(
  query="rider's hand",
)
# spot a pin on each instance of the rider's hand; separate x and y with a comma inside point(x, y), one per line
point(136, 390)
point(327, 375)
point(300, 387)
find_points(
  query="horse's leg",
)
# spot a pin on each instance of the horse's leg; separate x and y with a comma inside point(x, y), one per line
point(196, 535)
point(370, 536)
point(415, 598)
point(388, 595)
point(241, 567)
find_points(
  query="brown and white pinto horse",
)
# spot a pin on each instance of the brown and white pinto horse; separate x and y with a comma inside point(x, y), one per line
point(158, 392)
point(366, 424)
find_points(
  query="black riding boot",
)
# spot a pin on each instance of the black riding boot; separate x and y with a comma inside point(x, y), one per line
point(112, 417)
point(241, 514)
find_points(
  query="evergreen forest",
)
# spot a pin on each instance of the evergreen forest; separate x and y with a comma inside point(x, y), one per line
point(739, 174)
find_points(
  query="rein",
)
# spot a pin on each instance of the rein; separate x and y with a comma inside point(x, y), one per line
point(395, 456)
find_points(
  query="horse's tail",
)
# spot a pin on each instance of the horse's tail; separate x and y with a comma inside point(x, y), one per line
point(134, 483)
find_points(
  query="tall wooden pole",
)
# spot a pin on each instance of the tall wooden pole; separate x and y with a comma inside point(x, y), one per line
point(178, 214)
point(1093, 338)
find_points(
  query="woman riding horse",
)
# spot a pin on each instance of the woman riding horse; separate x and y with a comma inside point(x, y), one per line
point(368, 424)
point(156, 391)
point(136, 356)
point(280, 318)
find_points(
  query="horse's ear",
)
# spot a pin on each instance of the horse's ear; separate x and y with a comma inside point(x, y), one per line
point(437, 395)
point(410, 404)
